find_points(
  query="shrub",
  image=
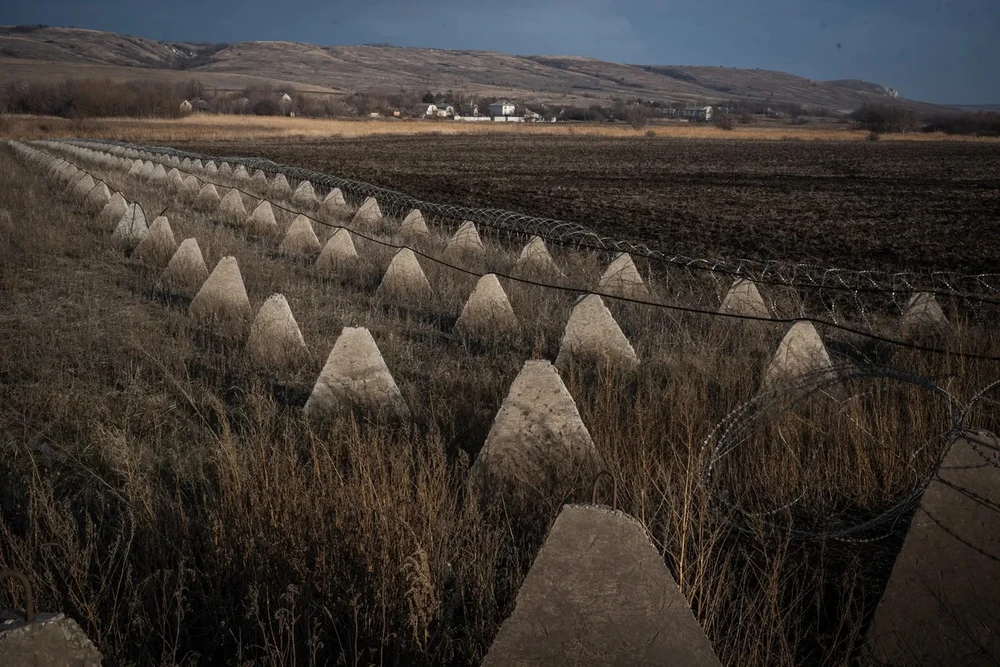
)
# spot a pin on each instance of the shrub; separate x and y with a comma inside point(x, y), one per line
point(879, 117)
point(89, 98)
point(723, 121)
point(266, 107)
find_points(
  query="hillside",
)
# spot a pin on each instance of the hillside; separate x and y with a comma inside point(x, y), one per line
point(43, 52)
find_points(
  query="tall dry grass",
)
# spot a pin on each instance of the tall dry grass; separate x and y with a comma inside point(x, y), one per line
point(210, 128)
point(169, 496)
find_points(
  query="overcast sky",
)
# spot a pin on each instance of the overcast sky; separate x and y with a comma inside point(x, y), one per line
point(945, 51)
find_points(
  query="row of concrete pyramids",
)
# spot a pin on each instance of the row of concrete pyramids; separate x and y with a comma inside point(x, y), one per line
point(538, 431)
point(355, 374)
point(801, 352)
point(921, 315)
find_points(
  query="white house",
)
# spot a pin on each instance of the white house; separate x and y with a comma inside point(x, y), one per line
point(502, 108)
point(434, 111)
point(532, 117)
point(697, 113)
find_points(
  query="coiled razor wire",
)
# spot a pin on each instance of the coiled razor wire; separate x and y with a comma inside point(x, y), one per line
point(732, 431)
point(798, 275)
point(832, 323)
point(737, 427)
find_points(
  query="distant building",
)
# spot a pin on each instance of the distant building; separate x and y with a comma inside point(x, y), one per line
point(285, 104)
point(697, 113)
point(434, 111)
point(186, 107)
point(502, 108)
point(532, 117)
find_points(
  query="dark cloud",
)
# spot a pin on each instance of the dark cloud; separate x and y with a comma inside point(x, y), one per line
point(951, 49)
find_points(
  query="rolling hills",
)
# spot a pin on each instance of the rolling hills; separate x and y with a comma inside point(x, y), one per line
point(46, 53)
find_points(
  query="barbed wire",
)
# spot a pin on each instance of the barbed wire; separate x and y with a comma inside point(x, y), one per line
point(832, 324)
point(875, 337)
point(739, 425)
point(771, 272)
point(736, 428)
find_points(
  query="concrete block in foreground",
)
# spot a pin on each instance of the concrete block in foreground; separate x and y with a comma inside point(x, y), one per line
point(942, 603)
point(599, 594)
point(51, 640)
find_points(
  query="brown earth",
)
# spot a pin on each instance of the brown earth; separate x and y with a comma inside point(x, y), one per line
point(901, 205)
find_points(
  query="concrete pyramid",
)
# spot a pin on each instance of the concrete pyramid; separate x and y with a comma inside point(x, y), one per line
point(300, 238)
point(334, 205)
point(600, 594)
point(744, 298)
point(338, 251)
point(158, 246)
point(240, 173)
point(538, 441)
point(404, 279)
point(622, 279)
point(158, 174)
point(592, 334)
point(97, 199)
point(262, 221)
point(208, 198)
point(413, 226)
point(535, 261)
point(355, 377)
point(82, 188)
point(279, 187)
point(186, 271)
point(186, 164)
point(210, 168)
point(135, 169)
point(112, 212)
point(69, 176)
point(259, 181)
point(465, 245)
point(275, 341)
point(487, 310)
point(146, 171)
point(190, 189)
point(196, 165)
point(131, 227)
point(801, 353)
point(304, 196)
point(941, 600)
point(223, 298)
point(231, 208)
point(175, 181)
point(225, 169)
point(369, 214)
point(923, 316)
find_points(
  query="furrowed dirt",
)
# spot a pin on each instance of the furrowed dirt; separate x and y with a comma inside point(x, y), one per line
point(881, 205)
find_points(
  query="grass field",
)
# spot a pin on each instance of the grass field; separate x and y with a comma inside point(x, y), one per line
point(167, 494)
point(209, 127)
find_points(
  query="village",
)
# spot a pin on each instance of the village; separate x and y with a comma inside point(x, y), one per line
point(500, 111)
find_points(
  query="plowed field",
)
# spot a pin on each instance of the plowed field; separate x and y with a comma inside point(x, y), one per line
point(856, 205)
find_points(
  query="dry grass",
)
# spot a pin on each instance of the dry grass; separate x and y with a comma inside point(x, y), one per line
point(169, 496)
point(209, 128)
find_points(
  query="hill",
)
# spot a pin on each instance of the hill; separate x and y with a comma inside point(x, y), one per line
point(39, 52)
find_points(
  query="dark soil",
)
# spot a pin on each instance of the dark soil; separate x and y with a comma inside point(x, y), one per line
point(886, 205)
